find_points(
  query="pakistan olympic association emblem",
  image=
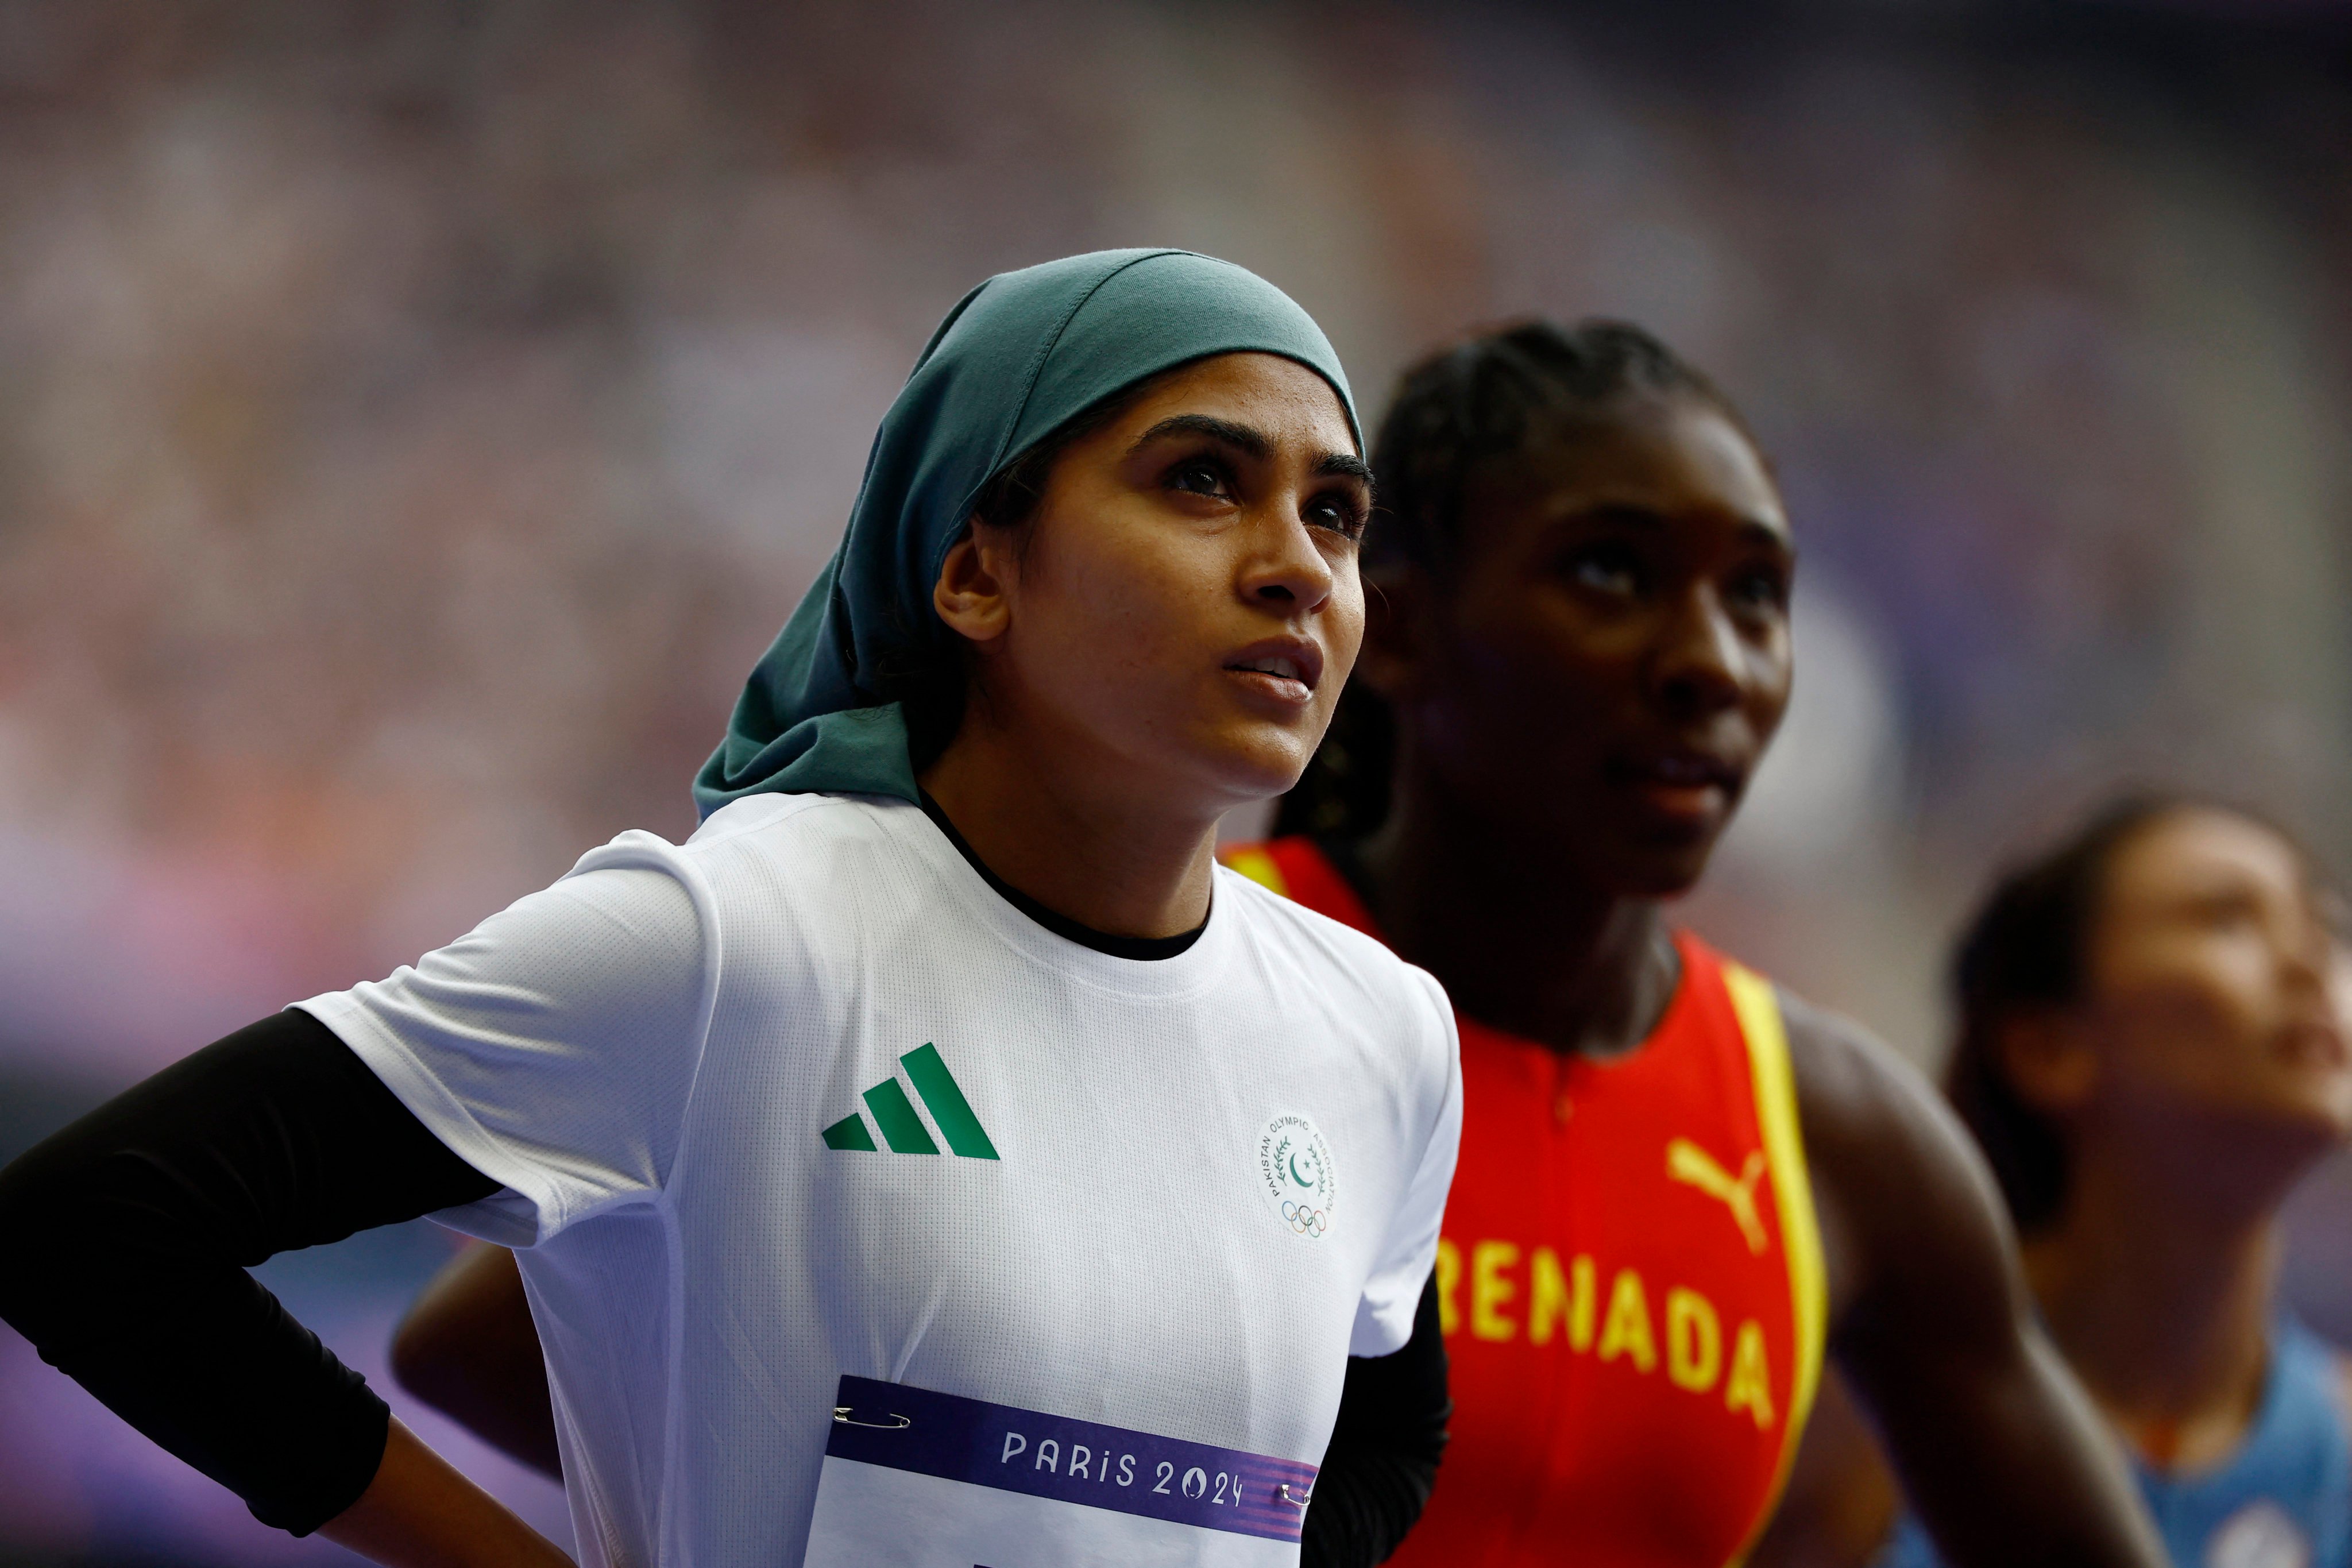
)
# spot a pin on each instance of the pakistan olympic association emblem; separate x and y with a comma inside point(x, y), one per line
point(1294, 1171)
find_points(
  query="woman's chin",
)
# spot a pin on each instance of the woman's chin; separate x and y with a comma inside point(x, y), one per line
point(2292, 1123)
point(1251, 765)
point(1652, 866)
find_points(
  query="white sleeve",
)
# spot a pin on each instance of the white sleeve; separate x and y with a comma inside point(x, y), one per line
point(1384, 1315)
point(553, 1048)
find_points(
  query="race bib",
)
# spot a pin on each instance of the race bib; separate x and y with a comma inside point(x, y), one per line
point(918, 1480)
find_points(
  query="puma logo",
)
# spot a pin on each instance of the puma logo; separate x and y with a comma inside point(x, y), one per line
point(1686, 1161)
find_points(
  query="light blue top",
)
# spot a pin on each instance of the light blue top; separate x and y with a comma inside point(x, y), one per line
point(2283, 1500)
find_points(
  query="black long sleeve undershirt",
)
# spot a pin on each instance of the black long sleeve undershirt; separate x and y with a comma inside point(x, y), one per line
point(1384, 1449)
point(128, 1233)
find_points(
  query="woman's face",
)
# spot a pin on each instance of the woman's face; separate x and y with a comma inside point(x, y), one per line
point(1183, 608)
point(2215, 988)
point(1606, 668)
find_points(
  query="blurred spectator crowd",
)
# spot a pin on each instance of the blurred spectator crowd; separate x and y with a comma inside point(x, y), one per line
point(414, 419)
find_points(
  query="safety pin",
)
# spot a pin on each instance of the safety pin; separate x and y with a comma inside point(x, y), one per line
point(1297, 1500)
point(842, 1417)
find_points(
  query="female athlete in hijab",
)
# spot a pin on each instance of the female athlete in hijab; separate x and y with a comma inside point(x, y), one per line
point(936, 1156)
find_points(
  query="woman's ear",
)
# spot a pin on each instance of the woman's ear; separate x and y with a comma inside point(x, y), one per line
point(1397, 609)
point(2050, 1061)
point(970, 595)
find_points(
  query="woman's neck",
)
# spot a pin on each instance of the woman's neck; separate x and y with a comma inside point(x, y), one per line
point(1517, 943)
point(2162, 1306)
point(1093, 848)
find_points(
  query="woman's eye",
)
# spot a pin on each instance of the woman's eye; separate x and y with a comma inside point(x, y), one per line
point(1198, 478)
point(1762, 589)
point(2225, 915)
point(1338, 514)
point(1606, 569)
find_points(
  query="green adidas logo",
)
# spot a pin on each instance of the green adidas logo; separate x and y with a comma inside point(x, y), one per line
point(901, 1127)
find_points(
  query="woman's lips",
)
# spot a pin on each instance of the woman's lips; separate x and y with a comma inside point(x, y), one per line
point(1281, 688)
point(1284, 669)
point(1685, 788)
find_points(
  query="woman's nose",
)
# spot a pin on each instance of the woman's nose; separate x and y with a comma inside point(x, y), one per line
point(1700, 666)
point(1285, 573)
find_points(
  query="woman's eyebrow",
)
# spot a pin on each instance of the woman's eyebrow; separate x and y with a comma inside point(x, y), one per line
point(1242, 437)
point(1645, 519)
point(1345, 463)
point(1617, 514)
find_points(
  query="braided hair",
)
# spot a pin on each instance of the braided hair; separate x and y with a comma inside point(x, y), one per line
point(1483, 401)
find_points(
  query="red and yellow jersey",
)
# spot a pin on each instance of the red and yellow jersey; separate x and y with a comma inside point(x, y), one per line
point(1630, 1279)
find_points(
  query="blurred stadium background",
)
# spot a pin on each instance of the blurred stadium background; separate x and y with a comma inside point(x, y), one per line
point(415, 418)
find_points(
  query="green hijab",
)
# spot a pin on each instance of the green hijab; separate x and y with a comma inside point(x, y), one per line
point(1017, 358)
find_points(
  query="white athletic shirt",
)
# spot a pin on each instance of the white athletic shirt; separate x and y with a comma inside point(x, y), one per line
point(1177, 1194)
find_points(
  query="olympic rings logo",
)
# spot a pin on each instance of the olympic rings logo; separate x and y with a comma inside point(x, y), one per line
point(1293, 1169)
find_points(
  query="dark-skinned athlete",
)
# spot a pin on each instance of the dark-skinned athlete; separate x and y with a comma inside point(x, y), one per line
point(1679, 1185)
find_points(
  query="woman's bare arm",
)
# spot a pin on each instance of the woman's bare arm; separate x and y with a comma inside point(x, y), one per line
point(468, 1349)
point(1842, 1501)
point(419, 1512)
point(1998, 1449)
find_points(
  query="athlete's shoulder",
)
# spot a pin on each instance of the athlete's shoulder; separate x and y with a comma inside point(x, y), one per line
point(1891, 1164)
point(800, 839)
point(768, 852)
point(1822, 1045)
point(1335, 957)
point(1828, 1044)
point(1280, 884)
point(1846, 1075)
point(780, 817)
point(1834, 1058)
point(1299, 870)
point(1267, 910)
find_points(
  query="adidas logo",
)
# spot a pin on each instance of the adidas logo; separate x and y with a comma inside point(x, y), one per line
point(904, 1130)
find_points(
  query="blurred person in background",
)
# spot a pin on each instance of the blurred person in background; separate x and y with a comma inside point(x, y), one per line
point(1679, 1185)
point(2152, 1052)
point(805, 1123)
